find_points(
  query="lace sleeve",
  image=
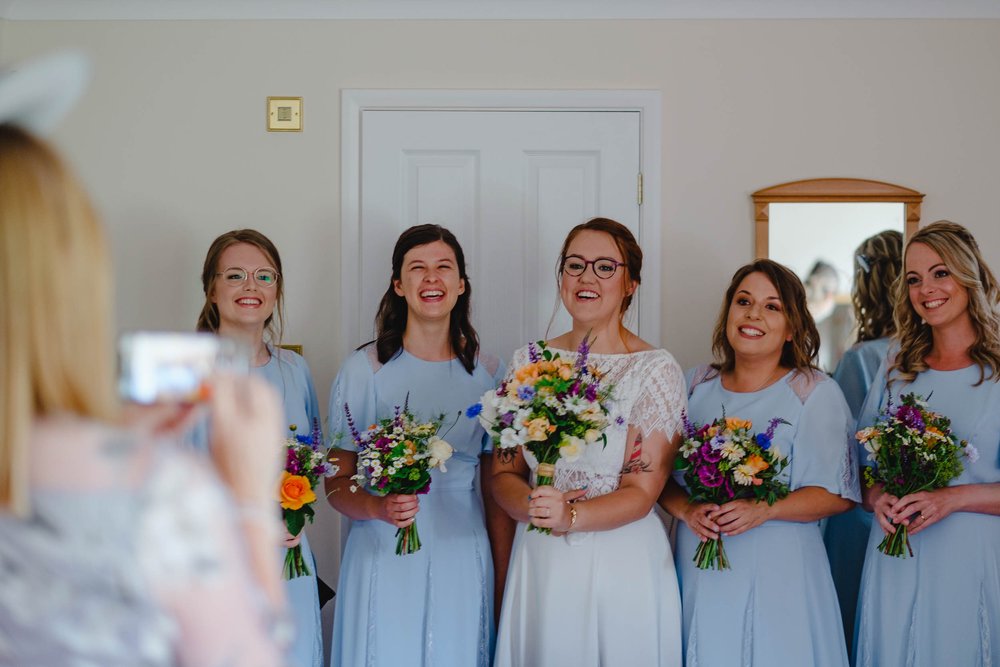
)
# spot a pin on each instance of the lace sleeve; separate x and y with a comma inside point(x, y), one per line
point(661, 398)
point(191, 554)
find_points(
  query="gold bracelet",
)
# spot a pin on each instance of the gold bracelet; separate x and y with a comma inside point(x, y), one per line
point(572, 517)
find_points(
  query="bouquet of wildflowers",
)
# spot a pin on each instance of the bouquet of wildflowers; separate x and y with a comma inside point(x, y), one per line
point(725, 461)
point(551, 406)
point(912, 449)
point(305, 464)
point(395, 455)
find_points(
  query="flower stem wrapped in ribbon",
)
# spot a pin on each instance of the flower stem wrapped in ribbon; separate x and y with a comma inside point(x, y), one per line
point(395, 455)
point(724, 461)
point(912, 449)
point(306, 462)
point(553, 407)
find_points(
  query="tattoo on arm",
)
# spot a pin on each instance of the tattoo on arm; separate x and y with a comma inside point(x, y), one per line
point(635, 462)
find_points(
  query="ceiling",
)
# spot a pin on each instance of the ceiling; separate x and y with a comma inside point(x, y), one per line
point(82, 10)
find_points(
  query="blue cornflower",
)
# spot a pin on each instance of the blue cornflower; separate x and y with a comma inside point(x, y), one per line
point(763, 441)
point(473, 410)
point(526, 392)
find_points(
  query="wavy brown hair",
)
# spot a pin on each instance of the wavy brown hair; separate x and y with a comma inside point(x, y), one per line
point(878, 263)
point(960, 253)
point(800, 352)
point(208, 320)
point(390, 321)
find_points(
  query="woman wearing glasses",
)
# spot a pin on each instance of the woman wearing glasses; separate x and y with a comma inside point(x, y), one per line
point(435, 606)
point(243, 300)
point(601, 589)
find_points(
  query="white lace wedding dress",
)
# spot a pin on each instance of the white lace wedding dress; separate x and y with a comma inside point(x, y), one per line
point(602, 598)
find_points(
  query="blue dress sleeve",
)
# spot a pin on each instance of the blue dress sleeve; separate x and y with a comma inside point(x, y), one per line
point(312, 402)
point(871, 408)
point(354, 387)
point(823, 453)
point(853, 379)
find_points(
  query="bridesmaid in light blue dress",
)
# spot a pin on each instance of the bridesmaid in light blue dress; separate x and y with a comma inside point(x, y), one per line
point(777, 606)
point(243, 289)
point(878, 261)
point(435, 606)
point(940, 607)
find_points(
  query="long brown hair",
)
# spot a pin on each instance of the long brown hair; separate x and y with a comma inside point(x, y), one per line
point(960, 253)
point(798, 353)
point(208, 320)
point(878, 262)
point(56, 350)
point(390, 321)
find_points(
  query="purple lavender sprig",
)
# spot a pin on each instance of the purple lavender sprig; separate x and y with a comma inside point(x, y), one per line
point(350, 424)
point(533, 353)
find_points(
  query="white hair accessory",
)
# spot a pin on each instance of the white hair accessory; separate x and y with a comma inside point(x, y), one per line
point(37, 94)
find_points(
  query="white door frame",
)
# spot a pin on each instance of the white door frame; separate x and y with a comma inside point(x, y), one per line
point(356, 101)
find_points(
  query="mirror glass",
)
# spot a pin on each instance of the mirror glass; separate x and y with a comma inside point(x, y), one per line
point(817, 240)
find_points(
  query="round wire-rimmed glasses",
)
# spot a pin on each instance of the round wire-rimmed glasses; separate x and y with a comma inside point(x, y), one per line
point(237, 275)
point(603, 267)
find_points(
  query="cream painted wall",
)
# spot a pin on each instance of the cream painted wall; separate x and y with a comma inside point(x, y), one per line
point(170, 138)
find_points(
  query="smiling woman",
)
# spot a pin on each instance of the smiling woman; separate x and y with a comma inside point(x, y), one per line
point(432, 606)
point(780, 591)
point(244, 298)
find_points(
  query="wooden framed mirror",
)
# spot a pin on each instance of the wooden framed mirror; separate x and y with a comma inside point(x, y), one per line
point(814, 226)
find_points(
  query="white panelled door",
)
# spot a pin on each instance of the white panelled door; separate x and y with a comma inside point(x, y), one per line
point(509, 184)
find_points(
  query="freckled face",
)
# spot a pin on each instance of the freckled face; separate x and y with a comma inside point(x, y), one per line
point(757, 325)
point(430, 281)
point(247, 303)
point(934, 293)
point(588, 298)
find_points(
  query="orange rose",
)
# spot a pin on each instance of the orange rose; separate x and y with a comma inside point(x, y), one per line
point(295, 491)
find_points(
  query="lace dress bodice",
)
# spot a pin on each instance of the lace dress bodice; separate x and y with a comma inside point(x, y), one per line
point(648, 396)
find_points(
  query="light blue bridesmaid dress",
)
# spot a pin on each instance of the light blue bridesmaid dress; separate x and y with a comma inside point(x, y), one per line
point(846, 535)
point(289, 374)
point(777, 606)
point(433, 607)
point(942, 606)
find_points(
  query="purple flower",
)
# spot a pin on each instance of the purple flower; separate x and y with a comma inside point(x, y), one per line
point(620, 420)
point(710, 455)
point(473, 410)
point(689, 429)
point(728, 487)
point(350, 424)
point(507, 419)
point(533, 353)
point(590, 393)
point(709, 476)
point(292, 462)
point(582, 353)
point(525, 392)
point(574, 389)
point(910, 416)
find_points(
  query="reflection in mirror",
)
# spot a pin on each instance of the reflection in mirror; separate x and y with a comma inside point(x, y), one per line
point(814, 227)
point(818, 241)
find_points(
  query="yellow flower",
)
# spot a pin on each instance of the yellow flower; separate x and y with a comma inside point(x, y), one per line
point(565, 371)
point(539, 429)
point(735, 423)
point(295, 491)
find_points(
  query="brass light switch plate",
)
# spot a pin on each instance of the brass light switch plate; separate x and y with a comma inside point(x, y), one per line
point(284, 114)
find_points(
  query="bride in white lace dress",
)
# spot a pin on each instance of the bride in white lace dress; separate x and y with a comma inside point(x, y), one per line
point(601, 590)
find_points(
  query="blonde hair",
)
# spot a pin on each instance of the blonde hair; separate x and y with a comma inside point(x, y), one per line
point(960, 253)
point(877, 266)
point(56, 354)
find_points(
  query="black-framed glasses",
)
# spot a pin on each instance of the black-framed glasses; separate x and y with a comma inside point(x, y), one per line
point(237, 275)
point(604, 267)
